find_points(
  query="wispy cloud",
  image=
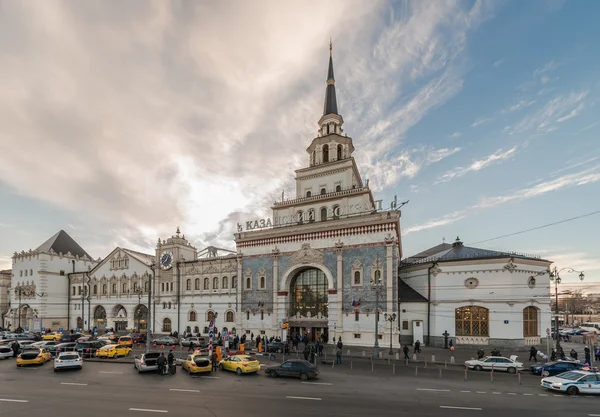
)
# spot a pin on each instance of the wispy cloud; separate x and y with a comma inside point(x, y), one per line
point(498, 63)
point(481, 121)
point(478, 165)
point(522, 104)
point(550, 66)
point(437, 222)
point(456, 135)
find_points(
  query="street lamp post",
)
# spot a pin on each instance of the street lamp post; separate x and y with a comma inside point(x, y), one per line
point(391, 318)
point(376, 283)
point(555, 277)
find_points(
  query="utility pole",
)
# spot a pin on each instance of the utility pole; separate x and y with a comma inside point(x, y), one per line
point(149, 301)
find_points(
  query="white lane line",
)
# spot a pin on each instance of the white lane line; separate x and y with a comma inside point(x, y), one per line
point(13, 401)
point(184, 390)
point(527, 394)
point(511, 393)
point(543, 395)
point(72, 383)
point(210, 377)
point(433, 389)
point(558, 395)
point(302, 398)
point(481, 392)
point(594, 415)
point(317, 383)
point(461, 408)
point(148, 410)
point(496, 393)
point(465, 391)
point(108, 372)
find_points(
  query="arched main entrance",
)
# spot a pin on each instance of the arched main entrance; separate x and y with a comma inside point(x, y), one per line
point(100, 318)
point(309, 304)
point(140, 316)
point(120, 318)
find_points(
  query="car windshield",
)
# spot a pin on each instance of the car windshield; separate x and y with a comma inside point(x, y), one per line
point(571, 376)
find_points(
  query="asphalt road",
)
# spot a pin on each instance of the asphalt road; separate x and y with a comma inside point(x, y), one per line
point(112, 388)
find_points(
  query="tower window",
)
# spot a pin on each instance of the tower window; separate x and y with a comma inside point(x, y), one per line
point(300, 217)
point(308, 194)
point(338, 188)
point(339, 152)
point(325, 153)
point(323, 214)
point(323, 191)
point(311, 215)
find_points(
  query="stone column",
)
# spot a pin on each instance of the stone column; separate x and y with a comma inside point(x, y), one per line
point(275, 311)
point(340, 290)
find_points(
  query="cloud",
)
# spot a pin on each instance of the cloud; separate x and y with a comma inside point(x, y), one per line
point(550, 66)
point(477, 165)
point(498, 63)
point(522, 104)
point(586, 176)
point(456, 135)
point(557, 110)
point(481, 121)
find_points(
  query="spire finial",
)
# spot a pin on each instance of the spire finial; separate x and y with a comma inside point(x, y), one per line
point(330, 47)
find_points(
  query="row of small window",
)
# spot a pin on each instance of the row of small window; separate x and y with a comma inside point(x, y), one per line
point(215, 284)
point(262, 315)
point(262, 283)
point(76, 290)
point(30, 271)
point(324, 191)
point(357, 336)
point(325, 150)
point(119, 263)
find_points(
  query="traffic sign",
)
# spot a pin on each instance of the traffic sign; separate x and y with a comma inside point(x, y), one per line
point(26, 329)
point(43, 329)
point(211, 334)
point(211, 324)
point(60, 330)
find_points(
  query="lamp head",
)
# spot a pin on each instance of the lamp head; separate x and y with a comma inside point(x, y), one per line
point(581, 276)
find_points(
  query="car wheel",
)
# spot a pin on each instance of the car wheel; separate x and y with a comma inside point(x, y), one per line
point(303, 376)
point(272, 374)
point(572, 391)
point(115, 356)
point(512, 370)
point(238, 371)
point(478, 368)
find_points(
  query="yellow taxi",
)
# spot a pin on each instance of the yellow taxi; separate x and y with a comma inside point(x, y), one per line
point(125, 341)
point(113, 351)
point(240, 364)
point(33, 357)
point(196, 364)
point(52, 336)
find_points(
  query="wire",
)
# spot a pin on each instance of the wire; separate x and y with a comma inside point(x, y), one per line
point(538, 227)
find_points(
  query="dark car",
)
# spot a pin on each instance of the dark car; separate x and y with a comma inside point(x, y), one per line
point(555, 368)
point(166, 341)
point(67, 338)
point(276, 347)
point(62, 347)
point(138, 337)
point(297, 368)
point(87, 349)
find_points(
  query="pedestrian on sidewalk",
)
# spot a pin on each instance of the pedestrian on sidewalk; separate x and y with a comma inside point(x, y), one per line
point(480, 353)
point(597, 354)
point(338, 356)
point(417, 347)
point(306, 352)
point(213, 359)
point(553, 355)
point(405, 350)
point(588, 355)
point(171, 362)
point(573, 354)
point(533, 353)
point(160, 363)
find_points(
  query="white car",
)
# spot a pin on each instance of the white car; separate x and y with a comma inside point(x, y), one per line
point(574, 382)
point(6, 352)
point(68, 360)
point(496, 363)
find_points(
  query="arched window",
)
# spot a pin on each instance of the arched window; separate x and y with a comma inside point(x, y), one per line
point(146, 286)
point(124, 287)
point(25, 272)
point(196, 329)
point(164, 305)
point(310, 294)
point(103, 289)
point(79, 290)
point(338, 188)
point(308, 193)
point(215, 283)
point(247, 315)
point(197, 284)
point(210, 315)
point(336, 212)
point(169, 305)
point(162, 287)
point(314, 157)
point(171, 286)
point(192, 316)
point(323, 214)
point(263, 283)
point(248, 283)
point(31, 272)
point(206, 284)
point(530, 322)
point(323, 191)
point(300, 217)
point(233, 282)
point(229, 318)
point(188, 284)
point(472, 321)
point(95, 289)
point(357, 278)
point(339, 152)
point(135, 286)
point(166, 325)
point(225, 283)
point(114, 288)
point(325, 153)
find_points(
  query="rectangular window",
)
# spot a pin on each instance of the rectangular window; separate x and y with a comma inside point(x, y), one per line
point(62, 273)
point(262, 332)
point(380, 336)
point(405, 325)
point(357, 335)
point(356, 316)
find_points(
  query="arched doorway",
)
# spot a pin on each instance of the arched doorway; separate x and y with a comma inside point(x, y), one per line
point(309, 308)
point(25, 317)
point(100, 318)
point(140, 316)
point(79, 323)
point(120, 318)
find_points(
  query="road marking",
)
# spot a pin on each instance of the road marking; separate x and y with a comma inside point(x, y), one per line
point(496, 393)
point(433, 389)
point(481, 392)
point(302, 398)
point(511, 393)
point(210, 377)
point(558, 395)
point(72, 383)
point(184, 390)
point(543, 395)
point(317, 383)
point(527, 394)
point(461, 408)
point(465, 391)
point(107, 372)
point(13, 401)
point(594, 415)
point(148, 410)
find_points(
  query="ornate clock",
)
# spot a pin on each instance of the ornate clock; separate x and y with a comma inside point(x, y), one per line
point(166, 260)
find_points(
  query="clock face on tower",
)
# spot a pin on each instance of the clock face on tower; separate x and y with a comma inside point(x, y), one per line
point(166, 260)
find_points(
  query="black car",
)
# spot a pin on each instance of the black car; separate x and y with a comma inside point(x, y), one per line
point(297, 368)
point(275, 347)
point(138, 337)
point(61, 347)
point(87, 349)
point(67, 338)
point(555, 368)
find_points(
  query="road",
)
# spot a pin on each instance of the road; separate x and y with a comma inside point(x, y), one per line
point(111, 388)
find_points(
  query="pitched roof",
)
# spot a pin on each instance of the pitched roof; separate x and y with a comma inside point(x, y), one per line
point(446, 252)
point(144, 258)
point(406, 293)
point(61, 242)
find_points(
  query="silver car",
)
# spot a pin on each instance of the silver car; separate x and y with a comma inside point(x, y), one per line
point(146, 362)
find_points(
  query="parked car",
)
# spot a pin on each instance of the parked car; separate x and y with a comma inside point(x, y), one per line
point(87, 349)
point(113, 351)
point(66, 338)
point(296, 368)
point(197, 364)
point(200, 342)
point(166, 341)
point(573, 382)
point(33, 357)
point(276, 347)
point(52, 336)
point(146, 362)
point(68, 360)
point(126, 341)
point(5, 352)
point(555, 368)
point(45, 343)
point(497, 363)
point(138, 337)
point(62, 347)
point(240, 364)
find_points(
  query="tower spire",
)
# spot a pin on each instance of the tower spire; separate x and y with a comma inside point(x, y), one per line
point(330, 106)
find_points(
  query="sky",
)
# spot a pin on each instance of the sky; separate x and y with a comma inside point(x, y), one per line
point(121, 121)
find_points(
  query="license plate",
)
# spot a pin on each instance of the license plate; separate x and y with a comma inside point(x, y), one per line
point(547, 384)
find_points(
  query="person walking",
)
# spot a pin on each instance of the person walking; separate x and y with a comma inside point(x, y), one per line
point(588, 355)
point(597, 354)
point(417, 347)
point(573, 354)
point(16, 348)
point(480, 353)
point(405, 350)
point(338, 356)
point(160, 362)
point(533, 353)
point(553, 355)
point(306, 352)
point(171, 362)
point(213, 359)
